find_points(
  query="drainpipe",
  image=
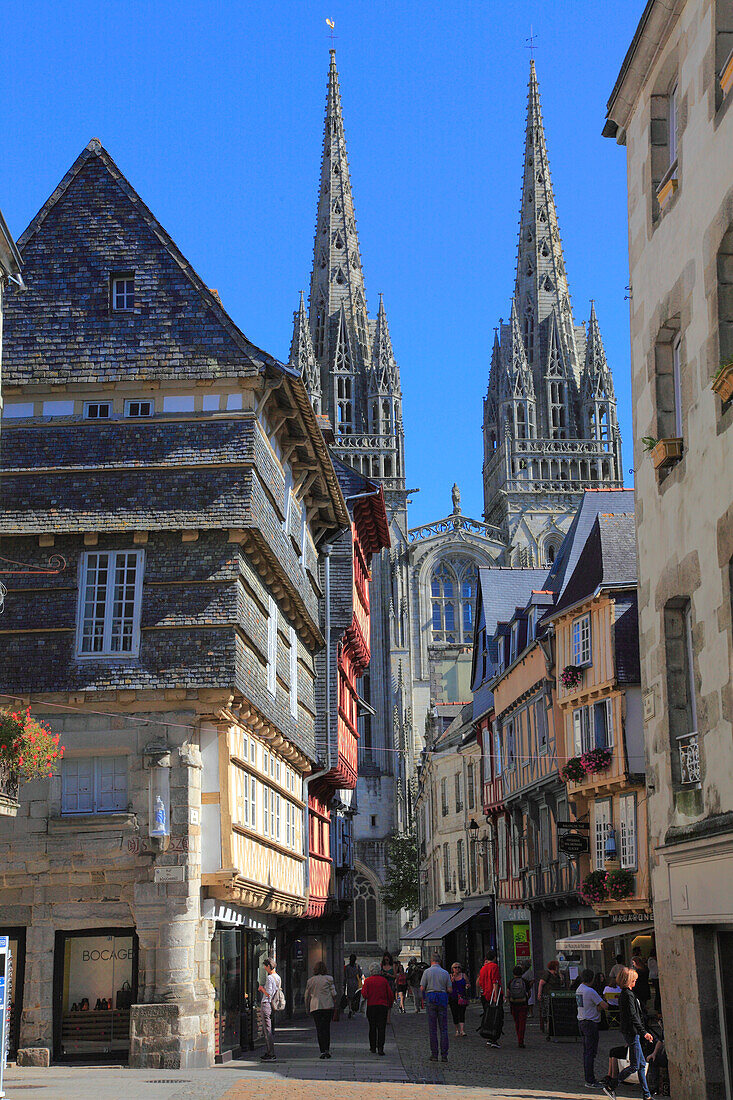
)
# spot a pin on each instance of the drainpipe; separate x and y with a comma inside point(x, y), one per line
point(324, 771)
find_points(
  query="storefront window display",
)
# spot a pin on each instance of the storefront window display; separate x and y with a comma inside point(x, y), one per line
point(95, 984)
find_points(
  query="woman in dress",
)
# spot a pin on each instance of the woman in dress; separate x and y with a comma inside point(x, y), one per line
point(320, 999)
point(458, 999)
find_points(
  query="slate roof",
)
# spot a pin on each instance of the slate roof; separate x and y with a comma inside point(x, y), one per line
point(593, 502)
point(62, 329)
point(453, 735)
point(370, 510)
point(607, 560)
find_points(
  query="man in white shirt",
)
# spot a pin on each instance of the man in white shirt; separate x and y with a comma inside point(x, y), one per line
point(268, 991)
point(590, 1005)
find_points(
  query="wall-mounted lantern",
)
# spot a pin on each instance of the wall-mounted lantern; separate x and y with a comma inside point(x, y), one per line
point(158, 762)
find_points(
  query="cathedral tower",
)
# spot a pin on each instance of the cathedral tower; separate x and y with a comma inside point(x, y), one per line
point(550, 427)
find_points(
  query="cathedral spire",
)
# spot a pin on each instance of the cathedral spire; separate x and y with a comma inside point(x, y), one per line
point(302, 357)
point(541, 282)
point(597, 378)
point(337, 278)
point(384, 376)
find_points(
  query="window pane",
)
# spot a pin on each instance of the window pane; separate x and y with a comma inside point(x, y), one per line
point(95, 593)
point(123, 603)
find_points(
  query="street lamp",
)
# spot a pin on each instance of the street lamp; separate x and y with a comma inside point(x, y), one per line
point(473, 829)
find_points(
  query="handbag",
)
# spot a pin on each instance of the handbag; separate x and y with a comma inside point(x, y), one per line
point(124, 996)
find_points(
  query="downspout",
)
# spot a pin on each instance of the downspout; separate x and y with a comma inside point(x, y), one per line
point(324, 771)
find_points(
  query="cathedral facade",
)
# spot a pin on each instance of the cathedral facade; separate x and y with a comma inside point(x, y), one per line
point(550, 431)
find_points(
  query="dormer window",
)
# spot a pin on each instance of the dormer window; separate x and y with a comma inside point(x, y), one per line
point(123, 292)
point(97, 410)
point(137, 408)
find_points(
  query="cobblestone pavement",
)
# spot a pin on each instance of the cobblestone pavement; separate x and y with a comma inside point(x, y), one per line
point(542, 1071)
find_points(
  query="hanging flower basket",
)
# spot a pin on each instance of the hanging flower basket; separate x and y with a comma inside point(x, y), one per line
point(593, 888)
point(619, 884)
point(28, 750)
point(596, 760)
point(573, 772)
point(571, 676)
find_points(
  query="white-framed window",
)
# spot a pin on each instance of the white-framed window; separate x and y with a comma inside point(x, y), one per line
point(514, 648)
point(265, 762)
point(278, 804)
point(253, 751)
point(245, 800)
point(540, 718)
point(266, 811)
point(110, 594)
point(603, 724)
point(497, 751)
point(94, 785)
point(137, 407)
point(253, 802)
point(178, 403)
point(245, 745)
point(501, 844)
point(672, 120)
point(581, 641)
point(97, 410)
point(509, 743)
point(602, 827)
point(289, 841)
point(627, 830)
point(123, 293)
point(293, 671)
point(271, 645)
point(677, 384)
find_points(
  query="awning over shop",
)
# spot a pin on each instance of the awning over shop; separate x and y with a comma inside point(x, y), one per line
point(435, 920)
point(593, 941)
point(470, 909)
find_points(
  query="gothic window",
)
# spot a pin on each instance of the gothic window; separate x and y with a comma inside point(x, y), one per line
point(603, 425)
point(453, 593)
point(336, 170)
point(549, 285)
point(529, 331)
point(344, 406)
point(558, 414)
point(337, 207)
point(320, 333)
point(362, 926)
point(543, 215)
point(521, 422)
point(386, 425)
point(545, 248)
point(338, 242)
point(340, 277)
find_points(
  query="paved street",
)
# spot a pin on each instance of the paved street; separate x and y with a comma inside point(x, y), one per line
point(542, 1070)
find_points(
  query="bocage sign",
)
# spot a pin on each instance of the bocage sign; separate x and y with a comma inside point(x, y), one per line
point(106, 955)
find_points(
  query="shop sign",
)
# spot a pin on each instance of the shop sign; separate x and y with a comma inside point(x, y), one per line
point(573, 844)
point(632, 918)
point(169, 874)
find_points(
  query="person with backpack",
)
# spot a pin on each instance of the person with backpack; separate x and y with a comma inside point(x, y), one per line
point(272, 1000)
point(415, 970)
point(518, 997)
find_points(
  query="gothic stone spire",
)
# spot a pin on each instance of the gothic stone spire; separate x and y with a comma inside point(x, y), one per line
point(302, 357)
point(384, 375)
point(337, 279)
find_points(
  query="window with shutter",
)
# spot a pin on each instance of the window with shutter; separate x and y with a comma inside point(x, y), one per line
point(77, 786)
point(603, 826)
point(627, 831)
point(94, 785)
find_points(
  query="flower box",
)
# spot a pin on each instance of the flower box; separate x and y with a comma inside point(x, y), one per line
point(593, 888)
point(619, 885)
point(28, 750)
point(722, 384)
point(571, 676)
point(573, 772)
point(666, 452)
point(596, 760)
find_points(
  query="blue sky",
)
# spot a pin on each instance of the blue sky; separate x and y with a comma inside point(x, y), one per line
point(215, 112)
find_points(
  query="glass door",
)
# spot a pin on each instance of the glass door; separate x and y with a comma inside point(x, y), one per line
point(95, 985)
point(226, 977)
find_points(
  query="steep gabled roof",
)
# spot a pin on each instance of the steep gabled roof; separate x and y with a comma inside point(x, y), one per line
point(93, 224)
point(365, 500)
point(593, 502)
point(501, 591)
point(607, 560)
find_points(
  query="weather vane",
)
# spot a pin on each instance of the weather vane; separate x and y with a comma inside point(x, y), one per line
point(531, 40)
point(332, 36)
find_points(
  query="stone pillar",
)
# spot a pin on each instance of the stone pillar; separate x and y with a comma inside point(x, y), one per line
point(36, 1021)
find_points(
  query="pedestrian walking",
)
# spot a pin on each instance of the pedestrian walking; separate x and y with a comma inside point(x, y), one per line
point(489, 977)
point(400, 986)
point(320, 1001)
point(388, 969)
point(590, 1005)
point(642, 991)
point(436, 987)
point(379, 999)
point(633, 1030)
point(550, 979)
point(653, 966)
point(270, 992)
point(353, 978)
point(518, 996)
point(458, 999)
point(415, 969)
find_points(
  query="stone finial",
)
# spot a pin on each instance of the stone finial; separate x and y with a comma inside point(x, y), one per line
point(456, 496)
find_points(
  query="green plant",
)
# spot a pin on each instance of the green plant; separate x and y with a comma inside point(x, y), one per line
point(571, 676)
point(619, 884)
point(593, 889)
point(649, 442)
point(596, 760)
point(28, 749)
point(401, 890)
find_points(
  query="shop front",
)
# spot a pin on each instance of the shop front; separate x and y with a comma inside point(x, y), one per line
point(515, 941)
point(95, 983)
point(241, 942)
point(598, 948)
point(302, 951)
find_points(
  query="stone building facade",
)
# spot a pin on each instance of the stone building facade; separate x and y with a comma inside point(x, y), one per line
point(672, 108)
point(181, 476)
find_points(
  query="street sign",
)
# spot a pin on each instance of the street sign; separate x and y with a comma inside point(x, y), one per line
point(573, 844)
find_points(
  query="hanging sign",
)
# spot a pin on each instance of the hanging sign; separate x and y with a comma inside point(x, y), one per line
point(573, 844)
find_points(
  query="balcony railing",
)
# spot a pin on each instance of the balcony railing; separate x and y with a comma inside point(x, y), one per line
point(689, 750)
point(551, 879)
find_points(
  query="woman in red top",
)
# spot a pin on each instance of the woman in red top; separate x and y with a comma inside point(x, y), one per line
point(379, 999)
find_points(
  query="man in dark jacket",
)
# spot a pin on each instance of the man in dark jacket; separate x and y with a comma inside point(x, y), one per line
point(633, 1030)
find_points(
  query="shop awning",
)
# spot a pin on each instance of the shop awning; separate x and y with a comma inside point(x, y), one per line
point(470, 909)
point(593, 941)
point(435, 920)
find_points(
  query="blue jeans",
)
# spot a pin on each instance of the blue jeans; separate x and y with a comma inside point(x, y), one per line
point(589, 1031)
point(438, 1017)
point(637, 1063)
